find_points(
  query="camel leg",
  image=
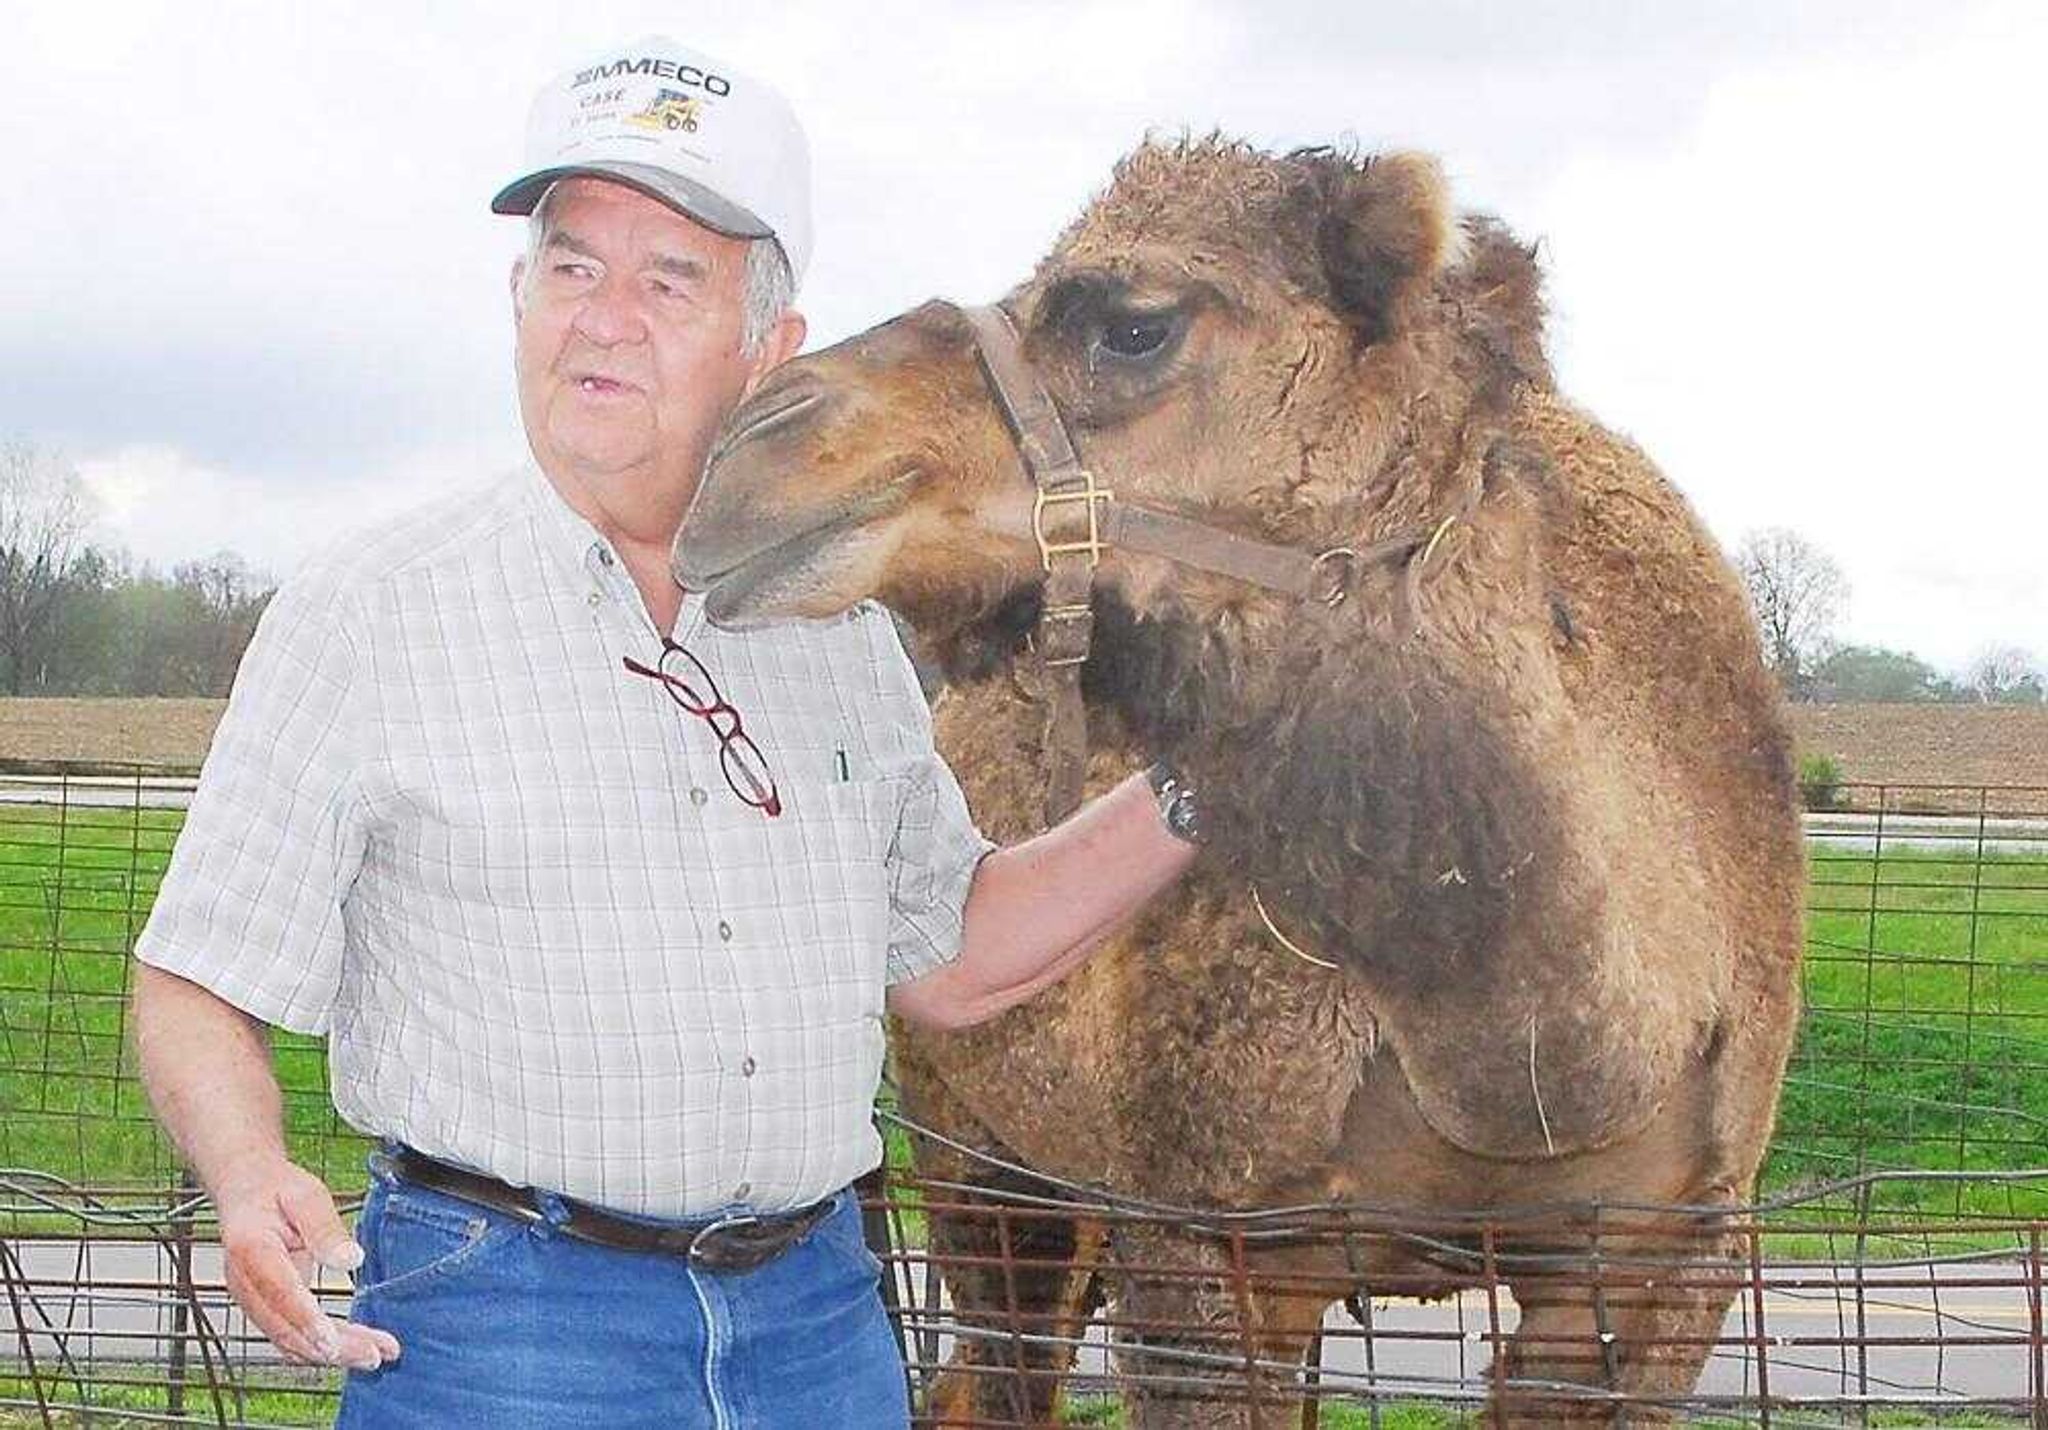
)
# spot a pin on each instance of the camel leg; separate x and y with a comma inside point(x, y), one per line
point(1212, 1336)
point(1021, 1283)
point(1617, 1338)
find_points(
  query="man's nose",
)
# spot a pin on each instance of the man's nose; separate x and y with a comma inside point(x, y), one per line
point(610, 313)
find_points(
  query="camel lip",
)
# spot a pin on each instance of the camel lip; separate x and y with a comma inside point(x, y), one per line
point(729, 594)
point(854, 513)
point(709, 578)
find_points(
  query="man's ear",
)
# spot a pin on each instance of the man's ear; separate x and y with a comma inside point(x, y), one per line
point(778, 347)
point(517, 282)
point(1386, 233)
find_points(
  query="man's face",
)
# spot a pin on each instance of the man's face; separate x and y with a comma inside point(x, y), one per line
point(629, 326)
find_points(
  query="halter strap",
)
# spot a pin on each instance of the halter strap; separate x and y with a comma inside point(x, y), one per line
point(1074, 520)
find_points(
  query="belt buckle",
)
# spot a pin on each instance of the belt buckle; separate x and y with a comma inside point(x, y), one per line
point(703, 1250)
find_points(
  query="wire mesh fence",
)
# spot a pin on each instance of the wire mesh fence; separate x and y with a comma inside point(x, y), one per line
point(1924, 1042)
point(1891, 1272)
point(1037, 1307)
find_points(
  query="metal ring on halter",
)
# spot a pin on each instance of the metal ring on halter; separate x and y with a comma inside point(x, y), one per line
point(1339, 579)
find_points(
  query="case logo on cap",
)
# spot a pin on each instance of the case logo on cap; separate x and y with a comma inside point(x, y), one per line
point(671, 109)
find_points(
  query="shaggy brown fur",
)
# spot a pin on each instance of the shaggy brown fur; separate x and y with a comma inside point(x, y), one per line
point(1542, 816)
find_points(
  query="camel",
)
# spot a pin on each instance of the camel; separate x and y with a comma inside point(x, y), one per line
point(1495, 751)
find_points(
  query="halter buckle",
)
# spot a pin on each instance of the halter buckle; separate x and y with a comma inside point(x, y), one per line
point(1088, 494)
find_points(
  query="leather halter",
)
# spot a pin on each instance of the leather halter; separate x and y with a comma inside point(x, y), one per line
point(1074, 520)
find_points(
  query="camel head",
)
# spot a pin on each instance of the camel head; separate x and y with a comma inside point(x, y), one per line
point(1271, 345)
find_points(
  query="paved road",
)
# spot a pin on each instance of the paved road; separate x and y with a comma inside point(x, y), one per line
point(1442, 1349)
point(94, 792)
point(1848, 831)
point(1948, 832)
point(105, 1300)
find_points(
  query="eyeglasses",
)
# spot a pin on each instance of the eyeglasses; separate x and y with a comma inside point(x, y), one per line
point(740, 760)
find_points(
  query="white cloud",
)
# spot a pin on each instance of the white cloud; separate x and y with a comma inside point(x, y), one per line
point(250, 263)
point(163, 506)
point(1817, 313)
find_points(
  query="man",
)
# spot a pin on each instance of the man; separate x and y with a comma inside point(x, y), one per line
point(595, 903)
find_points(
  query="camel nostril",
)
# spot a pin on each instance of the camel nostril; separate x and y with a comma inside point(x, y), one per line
point(764, 413)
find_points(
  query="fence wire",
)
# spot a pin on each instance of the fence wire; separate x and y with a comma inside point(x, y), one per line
point(1890, 1273)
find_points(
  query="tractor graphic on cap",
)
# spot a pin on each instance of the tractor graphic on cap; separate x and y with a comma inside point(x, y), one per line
point(672, 109)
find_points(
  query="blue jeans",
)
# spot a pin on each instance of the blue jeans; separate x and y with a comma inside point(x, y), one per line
point(509, 1325)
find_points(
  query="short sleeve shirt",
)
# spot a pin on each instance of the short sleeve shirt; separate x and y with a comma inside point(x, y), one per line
point(443, 824)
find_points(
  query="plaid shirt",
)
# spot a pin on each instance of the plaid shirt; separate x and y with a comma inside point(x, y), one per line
point(443, 825)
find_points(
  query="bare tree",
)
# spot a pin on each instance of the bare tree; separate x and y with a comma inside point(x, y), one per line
point(229, 595)
point(2004, 673)
point(1798, 593)
point(45, 512)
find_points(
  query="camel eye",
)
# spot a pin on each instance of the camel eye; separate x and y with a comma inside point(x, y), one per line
point(1136, 335)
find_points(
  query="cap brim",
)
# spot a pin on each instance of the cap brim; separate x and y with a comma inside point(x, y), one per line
point(686, 196)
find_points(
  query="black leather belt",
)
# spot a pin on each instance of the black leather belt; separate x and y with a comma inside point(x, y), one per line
point(735, 1244)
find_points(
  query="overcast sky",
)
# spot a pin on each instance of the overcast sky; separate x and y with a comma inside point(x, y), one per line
point(253, 290)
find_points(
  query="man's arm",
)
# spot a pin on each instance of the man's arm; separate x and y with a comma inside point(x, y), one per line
point(1037, 910)
point(206, 1065)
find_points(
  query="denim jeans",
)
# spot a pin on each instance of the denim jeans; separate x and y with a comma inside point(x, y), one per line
point(510, 1325)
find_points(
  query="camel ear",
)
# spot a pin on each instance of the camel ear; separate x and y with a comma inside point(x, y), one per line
point(1386, 234)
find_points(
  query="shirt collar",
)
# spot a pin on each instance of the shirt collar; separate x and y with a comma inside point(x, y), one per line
point(563, 531)
point(581, 550)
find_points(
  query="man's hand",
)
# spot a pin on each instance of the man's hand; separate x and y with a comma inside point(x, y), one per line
point(277, 1222)
point(207, 1067)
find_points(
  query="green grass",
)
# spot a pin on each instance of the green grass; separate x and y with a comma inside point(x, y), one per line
point(1925, 1043)
point(276, 1397)
point(1425, 1415)
point(295, 1408)
point(75, 888)
point(1925, 1040)
point(1400, 1415)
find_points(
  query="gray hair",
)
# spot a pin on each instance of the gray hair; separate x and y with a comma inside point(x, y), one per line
point(767, 287)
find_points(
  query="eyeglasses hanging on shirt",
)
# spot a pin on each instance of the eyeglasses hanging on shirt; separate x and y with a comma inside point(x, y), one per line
point(740, 760)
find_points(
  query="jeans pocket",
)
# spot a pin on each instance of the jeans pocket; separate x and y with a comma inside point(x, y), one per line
point(417, 1239)
point(843, 1235)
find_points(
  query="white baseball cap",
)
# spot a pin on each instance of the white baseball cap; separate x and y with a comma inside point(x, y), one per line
point(681, 127)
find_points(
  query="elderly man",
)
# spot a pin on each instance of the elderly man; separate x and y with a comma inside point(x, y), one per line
point(597, 904)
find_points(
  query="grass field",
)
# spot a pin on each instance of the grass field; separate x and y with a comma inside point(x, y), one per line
point(298, 1407)
point(272, 1408)
point(1925, 1043)
point(1925, 1037)
point(75, 888)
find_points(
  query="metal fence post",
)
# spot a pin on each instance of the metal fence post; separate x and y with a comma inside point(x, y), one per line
point(184, 1193)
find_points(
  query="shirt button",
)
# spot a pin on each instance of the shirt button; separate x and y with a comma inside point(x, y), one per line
point(724, 931)
point(604, 556)
point(742, 1191)
point(596, 598)
point(747, 1068)
point(698, 796)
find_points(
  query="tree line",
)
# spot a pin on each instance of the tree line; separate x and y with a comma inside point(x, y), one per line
point(81, 618)
point(1798, 594)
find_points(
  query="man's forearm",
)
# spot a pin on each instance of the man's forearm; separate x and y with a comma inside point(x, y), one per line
point(206, 1065)
point(1039, 909)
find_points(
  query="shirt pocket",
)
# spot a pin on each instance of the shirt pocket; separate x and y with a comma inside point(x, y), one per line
point(828, 866)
